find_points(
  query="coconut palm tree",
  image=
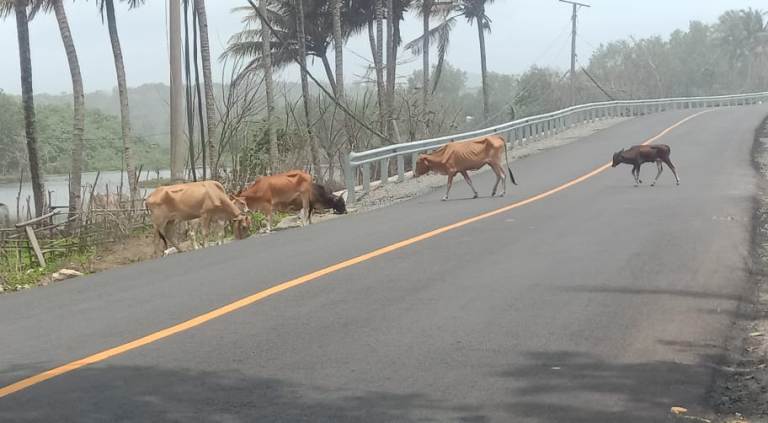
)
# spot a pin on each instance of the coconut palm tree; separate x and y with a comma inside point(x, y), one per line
point(107, 8)
point(474, 12)
point(210, 101)
point(78, 95)
point(283, 17)
point(19, 7)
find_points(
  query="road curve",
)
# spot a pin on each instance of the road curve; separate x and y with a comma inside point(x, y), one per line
point(599, 303)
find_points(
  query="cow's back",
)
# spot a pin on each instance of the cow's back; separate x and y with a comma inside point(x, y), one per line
point(280, 190)
point(187, 201)
point(474, 154)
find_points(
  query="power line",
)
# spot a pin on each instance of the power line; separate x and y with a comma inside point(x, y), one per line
point(574, 18)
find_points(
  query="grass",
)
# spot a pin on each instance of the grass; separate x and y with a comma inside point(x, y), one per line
point(15, 274)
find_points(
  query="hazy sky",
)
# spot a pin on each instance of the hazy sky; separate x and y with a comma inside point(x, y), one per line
point(525, 32)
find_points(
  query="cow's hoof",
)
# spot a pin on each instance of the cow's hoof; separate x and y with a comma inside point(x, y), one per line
point(474, 196)
point(636, 185)
point(170, 251)
point(653, 184)
point(678, 183)
point(444, 199)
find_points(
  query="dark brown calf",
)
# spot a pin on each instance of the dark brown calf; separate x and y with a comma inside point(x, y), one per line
point(639, 154)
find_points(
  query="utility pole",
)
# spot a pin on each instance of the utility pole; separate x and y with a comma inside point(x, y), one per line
point(573, 46)
point(177, 91)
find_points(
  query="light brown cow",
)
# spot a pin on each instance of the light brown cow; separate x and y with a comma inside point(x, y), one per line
point(283, 191)
point(460, 157)
point(205, 200)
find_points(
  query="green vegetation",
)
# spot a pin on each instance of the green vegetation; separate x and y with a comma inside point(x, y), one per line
point(103, 146)
point(15, 274)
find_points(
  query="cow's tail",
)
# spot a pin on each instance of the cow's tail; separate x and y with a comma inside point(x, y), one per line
point(506, 155)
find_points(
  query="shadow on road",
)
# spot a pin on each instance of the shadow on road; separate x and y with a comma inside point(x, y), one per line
point(145, 394)
point(567, 386)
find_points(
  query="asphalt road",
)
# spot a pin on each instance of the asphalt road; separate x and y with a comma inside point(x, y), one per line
point(600, 303)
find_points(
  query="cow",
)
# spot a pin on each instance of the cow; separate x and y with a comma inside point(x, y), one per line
point(460, 157)
point(289, 191)
point(205, 200)
point(639, 154)
point(5, 216)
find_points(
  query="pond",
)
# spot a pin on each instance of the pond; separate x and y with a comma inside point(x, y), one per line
point(58, 185)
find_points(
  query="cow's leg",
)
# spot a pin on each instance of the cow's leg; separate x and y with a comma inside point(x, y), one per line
point(448, 189)
point(268, 215)
point(500, 177)
point(661, 169)
point(672, 168)
point(469, 181)
point(205, 229)
point(636, 174)
point(305, 210)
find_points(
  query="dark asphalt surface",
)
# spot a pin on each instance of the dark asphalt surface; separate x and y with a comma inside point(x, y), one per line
point(602, 303)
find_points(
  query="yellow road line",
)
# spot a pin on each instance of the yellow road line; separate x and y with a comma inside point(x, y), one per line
point(229, 308)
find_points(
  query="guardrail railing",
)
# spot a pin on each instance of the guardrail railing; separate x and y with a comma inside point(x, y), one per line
point(521, 132)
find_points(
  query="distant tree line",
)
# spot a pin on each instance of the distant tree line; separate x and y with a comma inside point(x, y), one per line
point(253, 124)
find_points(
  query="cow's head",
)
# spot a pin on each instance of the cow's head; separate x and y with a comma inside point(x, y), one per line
point(617, 158)
point(241, 224)
point(422, 166)
point(338, 204)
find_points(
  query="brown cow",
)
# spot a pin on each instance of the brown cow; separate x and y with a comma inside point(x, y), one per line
point(639, 154)
point(205, 200)
point(289, 191)
point(459, 157)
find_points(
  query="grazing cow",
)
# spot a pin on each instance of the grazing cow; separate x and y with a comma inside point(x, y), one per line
point(289, 191)
point(460, 157)
point(639, 154)
point(204, 200)
point(5, 216)
point(322, 199)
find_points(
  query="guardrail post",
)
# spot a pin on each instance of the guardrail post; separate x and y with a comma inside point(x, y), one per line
point(349, 175)
point(366, 177)
point(400, 168)
point(414, 158)
point(384, 167)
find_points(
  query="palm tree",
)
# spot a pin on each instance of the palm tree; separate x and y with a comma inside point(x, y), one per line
point(474, 12)
point(302, 38)
point(427, 9)
point(19, 7)
point(266, 54)
point(108, 7)
point(338, 45)
point(210, 101)
point(78, 94)
point(283, 17)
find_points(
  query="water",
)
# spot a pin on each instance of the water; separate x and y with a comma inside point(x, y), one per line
point(59, 187)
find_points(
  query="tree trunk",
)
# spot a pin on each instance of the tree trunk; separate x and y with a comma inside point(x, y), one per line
point(314, 154)
point(28, 102)
point(122, 89)
point(198, 103)
point(338, 45)
point(177, 92)
point(190, 102)
point(427, 8)
point(78, 122)
point(329, 73)
point(483, 68)
point(274, 160)
point(391, 65)
point(377, 52)
point(210, 100)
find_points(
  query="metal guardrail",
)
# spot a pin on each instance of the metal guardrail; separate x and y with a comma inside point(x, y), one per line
point(523, 131)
